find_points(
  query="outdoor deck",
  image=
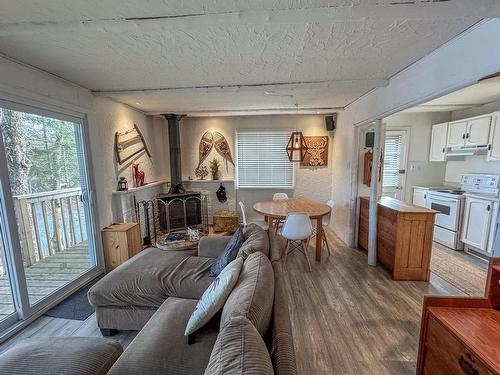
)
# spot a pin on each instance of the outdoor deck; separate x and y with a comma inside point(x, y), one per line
point(47, 275)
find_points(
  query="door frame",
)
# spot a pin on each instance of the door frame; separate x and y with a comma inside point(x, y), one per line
point(26, 313)
point(406, 136)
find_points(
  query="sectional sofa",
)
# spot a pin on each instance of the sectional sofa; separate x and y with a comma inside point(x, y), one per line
point(156, 291)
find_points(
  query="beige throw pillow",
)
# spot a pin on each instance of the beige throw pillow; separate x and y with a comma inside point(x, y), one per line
point(215, 296)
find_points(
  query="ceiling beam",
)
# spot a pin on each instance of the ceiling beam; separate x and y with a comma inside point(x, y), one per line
point(260, 111)
point(403, 10)
point(246, 87)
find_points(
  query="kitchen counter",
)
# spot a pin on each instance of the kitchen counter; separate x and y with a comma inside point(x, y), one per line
point(404, 237)
point(400, 206)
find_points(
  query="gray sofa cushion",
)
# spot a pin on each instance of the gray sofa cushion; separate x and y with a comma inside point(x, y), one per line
point(162, 348)
point(253, 295)
point(282, 350)
point(256, 239)
point(61, 355)
point(229, 253)
point(239, 349)
point(150, 277)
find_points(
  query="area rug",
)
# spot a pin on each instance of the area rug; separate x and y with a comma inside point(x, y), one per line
point(460, 269)
point(75, 307)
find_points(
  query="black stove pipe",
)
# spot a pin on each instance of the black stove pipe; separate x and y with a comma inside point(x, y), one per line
point(174, 140)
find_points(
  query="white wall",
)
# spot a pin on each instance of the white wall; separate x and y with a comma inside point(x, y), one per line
point(310, 182)
point(419, 170)
point(24, 84)
point(456, 64)
point(472, 164)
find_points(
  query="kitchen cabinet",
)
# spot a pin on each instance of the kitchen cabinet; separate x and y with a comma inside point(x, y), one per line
point(478, 130)
point(438, 142)
point(404, 237)
point(469, 133)
point(494, 139)
point(419, 197)
point(456, 133)
point(477, 222)
point(493, 228)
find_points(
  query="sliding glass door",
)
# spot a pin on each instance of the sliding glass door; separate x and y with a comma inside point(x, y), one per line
point(47, 212)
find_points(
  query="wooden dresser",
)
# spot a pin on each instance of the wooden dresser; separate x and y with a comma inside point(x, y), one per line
point(461, 335)
point(404, 237)
point(120, 243)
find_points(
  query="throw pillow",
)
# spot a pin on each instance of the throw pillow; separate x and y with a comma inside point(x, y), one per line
point(229, 253)
point(215, 296)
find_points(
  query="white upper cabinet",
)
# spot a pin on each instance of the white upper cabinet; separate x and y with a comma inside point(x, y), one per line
point(478, 130)
point(438, 142)
point(456, 133)
point(494, 141)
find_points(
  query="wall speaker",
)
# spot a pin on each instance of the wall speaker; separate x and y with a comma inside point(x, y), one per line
point(331, 122)
point(369, 139)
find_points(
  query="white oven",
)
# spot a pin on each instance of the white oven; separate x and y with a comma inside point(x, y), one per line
point(449, 209)
point(448, 218)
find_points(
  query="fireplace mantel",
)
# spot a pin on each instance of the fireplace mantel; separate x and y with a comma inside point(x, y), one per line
point(123, 202)
point(144, 187)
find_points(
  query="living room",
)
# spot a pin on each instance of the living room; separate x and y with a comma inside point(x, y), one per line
point(161, 124)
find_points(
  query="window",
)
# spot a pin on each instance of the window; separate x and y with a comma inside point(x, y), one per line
point(392, 160)
point(262, 161)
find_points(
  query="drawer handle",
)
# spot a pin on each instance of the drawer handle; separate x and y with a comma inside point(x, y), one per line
point(467, 367)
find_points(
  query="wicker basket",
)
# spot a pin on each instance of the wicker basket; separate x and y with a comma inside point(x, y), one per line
point(226, 221)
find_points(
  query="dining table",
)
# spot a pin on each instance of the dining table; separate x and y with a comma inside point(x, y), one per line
point(277, 210)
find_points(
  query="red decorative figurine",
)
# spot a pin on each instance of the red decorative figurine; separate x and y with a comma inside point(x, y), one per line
point(137, 174)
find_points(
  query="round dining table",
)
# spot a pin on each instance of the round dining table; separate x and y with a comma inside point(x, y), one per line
point(275, 210)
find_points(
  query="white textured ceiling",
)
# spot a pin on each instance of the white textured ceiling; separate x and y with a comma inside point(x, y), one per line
point(481, 93)
point(210, 56)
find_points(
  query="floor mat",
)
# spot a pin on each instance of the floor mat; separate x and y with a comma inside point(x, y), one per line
point(460, 269)
point(75, 307)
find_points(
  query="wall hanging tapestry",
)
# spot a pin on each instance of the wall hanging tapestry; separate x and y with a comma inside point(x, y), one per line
point(316, 151)
point(206, 145)
point(129, 143)
point(210, 140)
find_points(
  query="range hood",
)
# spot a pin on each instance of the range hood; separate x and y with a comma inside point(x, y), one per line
point(466, 151)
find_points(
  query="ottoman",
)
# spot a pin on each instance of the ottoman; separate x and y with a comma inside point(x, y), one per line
point(61, 355)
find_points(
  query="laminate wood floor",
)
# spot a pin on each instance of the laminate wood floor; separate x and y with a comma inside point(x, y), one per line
point(351, 318)
point(347, 317)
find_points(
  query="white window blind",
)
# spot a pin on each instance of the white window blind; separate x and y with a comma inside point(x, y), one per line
point(392, 160)
point(262, 160)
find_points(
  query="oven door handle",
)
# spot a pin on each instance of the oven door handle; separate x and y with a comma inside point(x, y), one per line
point(432, 199)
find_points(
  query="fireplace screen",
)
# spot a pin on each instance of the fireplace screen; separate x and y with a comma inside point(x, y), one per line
point(171, 213)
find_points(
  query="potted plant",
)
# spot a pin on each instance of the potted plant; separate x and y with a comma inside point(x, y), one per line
point(214, 168)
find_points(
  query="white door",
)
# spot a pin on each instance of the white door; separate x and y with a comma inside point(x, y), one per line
point(456, 133)
point(419, 197)
point(438, 142)
point(395, 156)
point(478, 131)
point(494, 141)
point(476, 225)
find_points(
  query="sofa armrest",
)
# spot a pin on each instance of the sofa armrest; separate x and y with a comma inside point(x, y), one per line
point(211, 247)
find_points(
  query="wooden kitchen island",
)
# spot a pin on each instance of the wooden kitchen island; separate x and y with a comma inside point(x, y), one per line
point(404, 237)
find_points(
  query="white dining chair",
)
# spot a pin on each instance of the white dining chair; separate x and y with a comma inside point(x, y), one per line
point(280, 196)
point(244, 218)
point(325, 223)
point(297, 231)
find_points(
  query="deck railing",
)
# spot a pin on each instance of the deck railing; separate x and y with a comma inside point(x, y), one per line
point(49, 222)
